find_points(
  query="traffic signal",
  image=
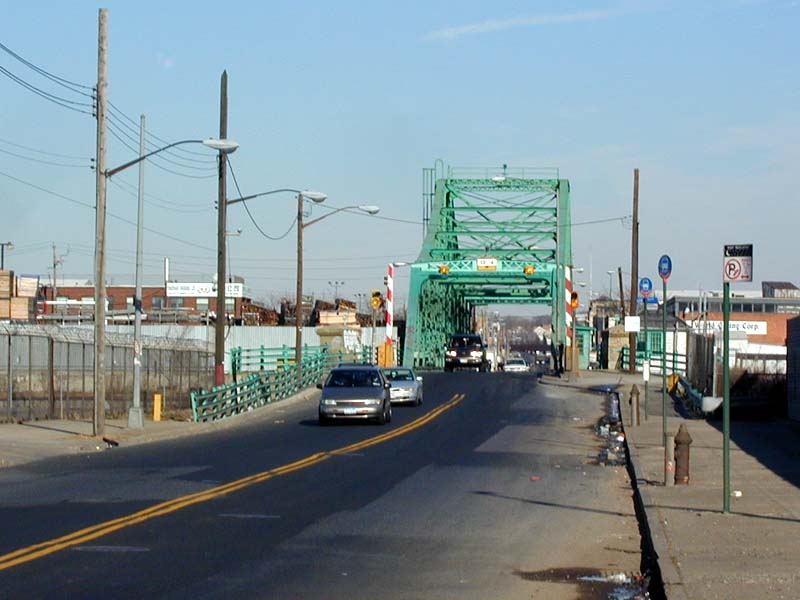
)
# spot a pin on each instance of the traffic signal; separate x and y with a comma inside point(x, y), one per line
point(573, 300)
point(376, 301)
point(444, 269)
point(529, 270)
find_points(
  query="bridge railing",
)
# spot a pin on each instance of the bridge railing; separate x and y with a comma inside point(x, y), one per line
point(273, 376)
point(676, 362)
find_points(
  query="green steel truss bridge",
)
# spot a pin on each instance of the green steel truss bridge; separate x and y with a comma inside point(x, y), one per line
point(492, 236)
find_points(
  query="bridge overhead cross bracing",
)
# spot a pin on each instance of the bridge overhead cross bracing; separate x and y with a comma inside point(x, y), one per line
point(492, 236)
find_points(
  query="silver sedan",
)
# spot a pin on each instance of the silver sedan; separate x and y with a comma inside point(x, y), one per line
point(406, 386)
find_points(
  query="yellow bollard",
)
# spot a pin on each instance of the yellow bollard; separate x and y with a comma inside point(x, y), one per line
point(156, 407)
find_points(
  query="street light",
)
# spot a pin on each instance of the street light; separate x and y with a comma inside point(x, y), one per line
point(135, 418)
point(366, 208)
point(335, 285)
point(610, 285)
point(3, 246)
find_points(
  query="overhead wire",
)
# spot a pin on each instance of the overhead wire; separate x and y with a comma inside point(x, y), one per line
point(110, 214)
point(113, 131)
point(70, 85)
point(165, 206)
point(45, 152)
point(46, 162)
point(249, 214)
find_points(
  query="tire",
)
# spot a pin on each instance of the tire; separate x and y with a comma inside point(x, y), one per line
point(381, 418)
point(323, 420)
point(389, 415)
point(419, 401)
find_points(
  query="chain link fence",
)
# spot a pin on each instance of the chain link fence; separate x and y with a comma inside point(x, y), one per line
point(47, 372)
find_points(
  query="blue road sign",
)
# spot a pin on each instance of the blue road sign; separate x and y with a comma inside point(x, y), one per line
point(647, 300)
point(645, 286)
point(664, 267)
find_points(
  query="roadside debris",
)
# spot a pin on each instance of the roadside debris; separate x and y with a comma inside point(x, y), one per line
point(609, 428)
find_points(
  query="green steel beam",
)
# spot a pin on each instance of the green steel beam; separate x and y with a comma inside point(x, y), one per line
point(515, 221)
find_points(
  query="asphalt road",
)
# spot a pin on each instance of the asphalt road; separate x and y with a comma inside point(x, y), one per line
point(488, 490)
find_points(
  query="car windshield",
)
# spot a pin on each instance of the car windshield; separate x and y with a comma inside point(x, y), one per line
point(399, 375)
point(353, 378)
point(516, 361)
point(465, 341)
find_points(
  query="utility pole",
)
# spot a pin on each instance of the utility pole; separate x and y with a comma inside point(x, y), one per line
point(298, 308)
point(99, 420)
point(55, 266)
point(621, 292)
point(135, 414)
point(634, 267)
point(222, 209)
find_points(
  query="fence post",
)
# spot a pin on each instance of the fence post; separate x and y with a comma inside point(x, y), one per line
point(51, 382)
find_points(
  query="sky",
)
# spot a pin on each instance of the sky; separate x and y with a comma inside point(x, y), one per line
point(354, 99)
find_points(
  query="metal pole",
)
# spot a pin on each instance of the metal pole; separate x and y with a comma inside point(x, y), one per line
point(135, 413)
point(10, 380)
point(634, 266)
point(222, 208)
point(664, 361)
point(726, 399)
point(298, 308)
point(2, 256)
point(99, 419)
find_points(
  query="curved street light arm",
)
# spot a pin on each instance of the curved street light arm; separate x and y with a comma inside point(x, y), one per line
point(333, 212)
point(224, 146)
point(251, 196)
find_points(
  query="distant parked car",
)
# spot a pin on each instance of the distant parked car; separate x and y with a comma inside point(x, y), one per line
point(355, 392)
point(406, 386)
point(516, 365)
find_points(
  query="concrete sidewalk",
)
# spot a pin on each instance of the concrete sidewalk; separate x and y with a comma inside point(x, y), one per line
point(752, 552)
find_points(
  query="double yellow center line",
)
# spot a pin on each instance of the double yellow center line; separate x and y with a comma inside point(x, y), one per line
point(36, 551)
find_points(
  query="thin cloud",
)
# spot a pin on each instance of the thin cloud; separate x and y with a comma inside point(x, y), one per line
point(495, 25)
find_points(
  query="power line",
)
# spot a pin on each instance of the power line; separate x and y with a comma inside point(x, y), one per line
point(121, 113)
point(189, 206)
point(45, 152)
point(158, 204)
point(249, 214)
point(62, 102)
point(45, 162)
point(112, 130)
point(70, 85)
point(117, 217)
point(134, 138)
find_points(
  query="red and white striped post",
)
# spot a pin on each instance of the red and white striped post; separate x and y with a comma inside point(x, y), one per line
point(389, 305)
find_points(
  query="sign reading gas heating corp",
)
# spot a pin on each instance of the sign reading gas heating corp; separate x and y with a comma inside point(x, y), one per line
point(737, 263)
point(202, 290)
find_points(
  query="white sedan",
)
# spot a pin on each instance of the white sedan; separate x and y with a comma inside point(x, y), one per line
point(516, 365)
point(406, 386)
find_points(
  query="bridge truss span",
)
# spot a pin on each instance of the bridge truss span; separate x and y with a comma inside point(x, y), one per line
point(500, 237)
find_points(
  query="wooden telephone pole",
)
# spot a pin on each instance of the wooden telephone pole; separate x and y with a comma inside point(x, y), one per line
point(634, 269)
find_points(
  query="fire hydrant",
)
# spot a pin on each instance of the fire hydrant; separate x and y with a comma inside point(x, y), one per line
point(682, 442)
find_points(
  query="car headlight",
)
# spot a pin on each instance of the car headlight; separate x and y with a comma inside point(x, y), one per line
point(451, 353)
point(329, 402)
point(476, 354)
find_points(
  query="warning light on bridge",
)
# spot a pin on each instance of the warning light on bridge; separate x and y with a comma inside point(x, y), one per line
point(376, 301)
point(529, 270)
point(444, 269)
point(573, 300)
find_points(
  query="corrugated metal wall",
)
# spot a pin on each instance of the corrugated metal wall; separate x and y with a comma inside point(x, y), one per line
point(793, 367)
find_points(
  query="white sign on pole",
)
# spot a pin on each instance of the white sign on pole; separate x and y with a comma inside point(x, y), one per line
point(646, 370)
point(632, 324)
point(737, 263)
point(202, 290)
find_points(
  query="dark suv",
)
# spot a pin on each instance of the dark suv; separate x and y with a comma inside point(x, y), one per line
point(465, 351)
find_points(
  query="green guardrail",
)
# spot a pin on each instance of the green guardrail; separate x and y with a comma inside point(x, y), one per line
point(266, 375)
point(676, 362)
